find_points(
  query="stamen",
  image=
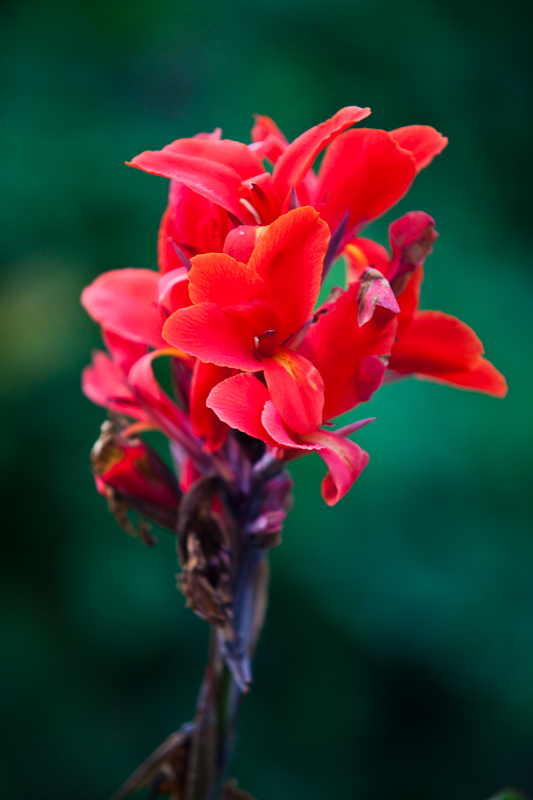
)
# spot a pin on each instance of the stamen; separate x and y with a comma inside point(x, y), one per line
point(251, 209)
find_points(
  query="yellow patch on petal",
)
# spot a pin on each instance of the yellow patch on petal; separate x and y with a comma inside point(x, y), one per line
point(357, 254)
point(285, 359)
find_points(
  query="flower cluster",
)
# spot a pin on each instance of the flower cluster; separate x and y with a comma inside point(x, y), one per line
point(259, 372)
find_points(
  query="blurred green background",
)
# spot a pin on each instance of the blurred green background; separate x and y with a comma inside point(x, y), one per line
point(397, 660)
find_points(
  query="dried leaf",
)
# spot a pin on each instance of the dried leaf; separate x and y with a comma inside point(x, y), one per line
point(206, 584)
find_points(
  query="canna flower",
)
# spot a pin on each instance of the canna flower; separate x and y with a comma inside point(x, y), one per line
point(430, 344)
point(258, 318)
point(244, 315)
point(258, 373)
point(242, 254)
point(364, 173)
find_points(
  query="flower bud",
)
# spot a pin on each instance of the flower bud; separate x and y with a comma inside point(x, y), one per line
point(133, 477)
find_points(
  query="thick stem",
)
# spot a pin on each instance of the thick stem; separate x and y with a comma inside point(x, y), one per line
point(224, 532)
point(225, 681)
point(202, 763)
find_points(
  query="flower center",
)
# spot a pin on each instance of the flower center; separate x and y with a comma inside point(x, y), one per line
point(265, 342)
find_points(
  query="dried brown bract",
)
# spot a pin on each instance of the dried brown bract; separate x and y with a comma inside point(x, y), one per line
point(205, 550)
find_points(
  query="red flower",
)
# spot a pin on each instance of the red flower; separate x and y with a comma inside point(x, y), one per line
point(430, 345)
point(364, 172)
point(258, 317)
point(242, 254)
point(349, 345)
point(244, 315)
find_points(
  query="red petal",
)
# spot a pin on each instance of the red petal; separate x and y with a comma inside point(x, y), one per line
point(296, 388)
point(273, 423)
point(370, 376)
point(224, 151)
point(365, 171)
point(308, 189)
point(362, 253)
point(173, 290)
point(409, 299)
point(269, 148)
point(103, 382)
point(216, 182)
point(484, 378)
point(167, 258)
point(215, 134)
point(199, 225)
point(124, 301)
point(123, 351)
point(289, 257)
point(437, 345)
point(435, 342)
point(338, 347)
point(266, 130)
point(345, 460)
point(210, 228)
point(423, 141)
point(203, 420)
point(207, 332)
point(239, 402)
point(158, 405)
point(264, 197)
point(218, 278)
point(299, 156)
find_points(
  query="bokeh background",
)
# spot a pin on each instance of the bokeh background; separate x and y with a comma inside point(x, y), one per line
point(397, 660)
